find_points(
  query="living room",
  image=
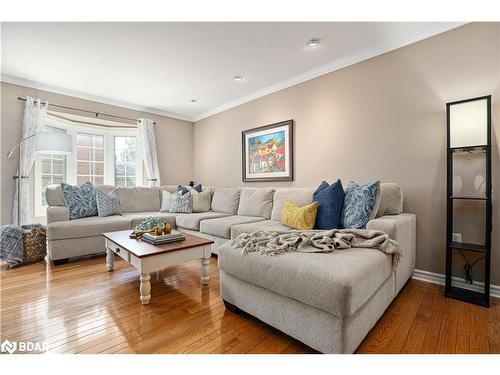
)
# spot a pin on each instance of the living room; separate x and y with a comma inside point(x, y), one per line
point(253, 187)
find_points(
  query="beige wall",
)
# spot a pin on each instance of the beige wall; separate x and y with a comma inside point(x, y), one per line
point(383, 118)
point(173, 138)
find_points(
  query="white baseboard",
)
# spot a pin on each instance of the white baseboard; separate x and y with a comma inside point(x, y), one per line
point(437, 278)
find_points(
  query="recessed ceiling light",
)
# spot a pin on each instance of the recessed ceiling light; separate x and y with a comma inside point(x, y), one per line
point(313, 42)
point(238, 78)
point(192, 100)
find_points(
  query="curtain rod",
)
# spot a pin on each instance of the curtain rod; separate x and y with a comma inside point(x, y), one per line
point(87, 111)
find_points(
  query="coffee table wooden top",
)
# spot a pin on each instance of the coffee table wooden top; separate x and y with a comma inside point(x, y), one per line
point(143, 249)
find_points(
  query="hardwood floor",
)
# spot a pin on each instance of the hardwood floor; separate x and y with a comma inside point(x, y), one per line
point(81, 308)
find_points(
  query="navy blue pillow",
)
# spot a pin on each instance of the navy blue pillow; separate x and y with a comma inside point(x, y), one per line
point(182, 189)
point(198, 188)
point(330, 199)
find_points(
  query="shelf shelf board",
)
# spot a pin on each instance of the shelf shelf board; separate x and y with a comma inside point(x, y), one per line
point(467, 295)
point(469, 148)
point(469, 197)
point(468, 247)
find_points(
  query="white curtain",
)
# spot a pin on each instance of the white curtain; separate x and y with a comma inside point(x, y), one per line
point(147, 145)
point(35, 113)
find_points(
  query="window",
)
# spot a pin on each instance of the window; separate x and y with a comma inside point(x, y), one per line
point(90, 158)
point(125, 161)
point(101, 155)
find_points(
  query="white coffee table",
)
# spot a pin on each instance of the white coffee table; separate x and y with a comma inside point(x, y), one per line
point(149, 258)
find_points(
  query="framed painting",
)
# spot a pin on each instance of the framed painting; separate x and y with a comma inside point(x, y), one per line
point(267, 153)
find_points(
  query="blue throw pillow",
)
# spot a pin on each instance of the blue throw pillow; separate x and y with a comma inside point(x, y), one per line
point(182, 189)
point(81, 200)
point(198, 188)
point(107, 203)
point(358, 204)
point(330, 199)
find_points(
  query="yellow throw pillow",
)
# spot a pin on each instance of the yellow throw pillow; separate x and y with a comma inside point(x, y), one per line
point(302, 218)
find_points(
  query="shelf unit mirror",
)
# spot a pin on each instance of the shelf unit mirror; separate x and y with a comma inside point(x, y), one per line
point(469, 206)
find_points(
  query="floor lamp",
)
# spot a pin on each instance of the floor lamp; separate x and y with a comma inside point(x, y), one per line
point(46, 143)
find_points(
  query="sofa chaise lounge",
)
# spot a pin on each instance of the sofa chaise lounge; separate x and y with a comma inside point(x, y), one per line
point(328, 301)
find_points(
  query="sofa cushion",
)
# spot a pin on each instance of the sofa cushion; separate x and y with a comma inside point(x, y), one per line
point(81, 200)
point(139, 199)
point(192, 221)
point(339, 282)
point(256, 202)
point(226, 200)
point(55, 196)
point(299, 196)
point(302, 218)
point(221, 227)
point(201, 201)
point(107, 203)
point(86, 227)
point(359, 204)
point(169, 188)
point(182, 189)
point(390, 200)
point(138, 217)
point(330, 199)
point(181, 202)
point(166, 198)
point(268, 225)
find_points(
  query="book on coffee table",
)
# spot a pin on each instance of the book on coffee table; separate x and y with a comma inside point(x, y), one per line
point(163, 238)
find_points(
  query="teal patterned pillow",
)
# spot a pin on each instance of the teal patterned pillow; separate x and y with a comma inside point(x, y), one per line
point(181, 203)
point(359, 202)
point(107, 203)
point(80, 200)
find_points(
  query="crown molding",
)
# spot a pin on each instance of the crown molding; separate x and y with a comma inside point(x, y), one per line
point(94, 98)
point(437, 278)
point(424, 33)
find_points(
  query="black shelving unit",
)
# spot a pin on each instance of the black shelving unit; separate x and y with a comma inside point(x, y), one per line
point(454, 248)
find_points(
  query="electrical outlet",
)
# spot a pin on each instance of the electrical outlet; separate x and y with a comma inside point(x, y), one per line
point(456, 237)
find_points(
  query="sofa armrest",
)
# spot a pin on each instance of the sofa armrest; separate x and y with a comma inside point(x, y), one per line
point(57, 213)
point(401, 228)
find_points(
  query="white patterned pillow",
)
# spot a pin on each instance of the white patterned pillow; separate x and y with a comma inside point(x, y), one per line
point(107, 203)
point(180, 203)
point(166, 198)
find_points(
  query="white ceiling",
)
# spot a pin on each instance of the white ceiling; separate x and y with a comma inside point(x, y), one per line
point(160, 67)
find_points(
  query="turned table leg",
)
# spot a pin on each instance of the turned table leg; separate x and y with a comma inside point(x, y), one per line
point(110, 259)
point(205, 270)
point(145, 288)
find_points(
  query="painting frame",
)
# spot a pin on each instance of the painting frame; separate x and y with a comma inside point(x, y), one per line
point(285, 127)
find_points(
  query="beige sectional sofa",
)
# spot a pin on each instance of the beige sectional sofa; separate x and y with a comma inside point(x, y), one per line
point(329, 301)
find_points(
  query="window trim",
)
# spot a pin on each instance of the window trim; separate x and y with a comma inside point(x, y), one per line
point(72, 128)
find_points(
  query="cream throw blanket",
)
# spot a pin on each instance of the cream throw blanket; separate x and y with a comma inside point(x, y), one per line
point(275, 243)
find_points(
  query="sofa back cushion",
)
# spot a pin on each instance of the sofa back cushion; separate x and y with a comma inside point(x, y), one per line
point(55, 196)
point(139, 199)
point(226, 200)
point(256, 202)
point(389, 199)
point(169, 188)
point(299, 196)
